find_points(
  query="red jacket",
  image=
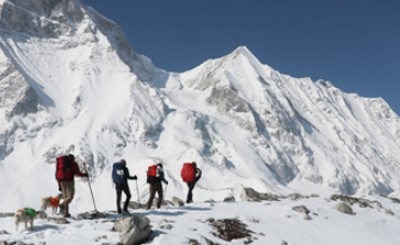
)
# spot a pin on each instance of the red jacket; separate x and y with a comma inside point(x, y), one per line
point(77, 171)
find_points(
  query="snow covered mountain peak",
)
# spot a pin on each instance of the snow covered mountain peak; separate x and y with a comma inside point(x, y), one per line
point(244, 52)
point(217, 72)
point(71, 83)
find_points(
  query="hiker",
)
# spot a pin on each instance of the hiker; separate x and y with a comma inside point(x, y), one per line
point(67, 168)
point(120, 176)
point(190, 174)
point(155, 175)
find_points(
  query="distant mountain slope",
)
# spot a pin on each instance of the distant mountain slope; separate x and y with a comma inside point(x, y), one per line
point(303, 131)
point(70, 83)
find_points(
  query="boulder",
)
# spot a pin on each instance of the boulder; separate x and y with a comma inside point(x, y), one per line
point(229, 199)
point(394, 199)
point(249, 194)
point(92, 215)
point(177, 202)
point(295, 196)
point(154, 203)
point(135, 229)
point(361, 202)
point(230, 229)
point(344, 208)
point(193, 242)
point(301, 209)
point(136, 205)
point(304, 210)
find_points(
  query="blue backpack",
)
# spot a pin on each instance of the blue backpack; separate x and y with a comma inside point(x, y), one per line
point(118, 173)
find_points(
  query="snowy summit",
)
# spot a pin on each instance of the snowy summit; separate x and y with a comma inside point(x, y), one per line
point(71, 84)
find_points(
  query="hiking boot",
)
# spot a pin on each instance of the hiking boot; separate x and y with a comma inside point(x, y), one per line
point(61, 209)
point(67, 215)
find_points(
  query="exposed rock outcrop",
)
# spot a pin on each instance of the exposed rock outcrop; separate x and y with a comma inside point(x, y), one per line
point(135, 229)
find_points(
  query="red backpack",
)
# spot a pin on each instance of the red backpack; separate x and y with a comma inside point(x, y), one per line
point(188, 172)
point(152, 171)
point(152, 174)
point(64, 169)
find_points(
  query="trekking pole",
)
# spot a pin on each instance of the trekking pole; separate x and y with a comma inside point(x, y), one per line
point(90, 187)
point(137, 191)
point(165, 192)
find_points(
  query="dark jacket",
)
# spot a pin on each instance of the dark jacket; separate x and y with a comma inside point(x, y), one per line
point(198, 174)
point(161, 175)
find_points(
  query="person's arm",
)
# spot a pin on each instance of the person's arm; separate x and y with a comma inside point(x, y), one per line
point(77, 171)
point(127, 175)
point(198, 174)
point(162, 177)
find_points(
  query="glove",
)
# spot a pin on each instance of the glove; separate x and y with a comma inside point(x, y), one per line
point(135, 177)
point(86, 175)
point(166, 182)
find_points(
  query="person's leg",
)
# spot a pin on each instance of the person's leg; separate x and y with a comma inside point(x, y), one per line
point(128, 197)
point(160, 195)
point(71, 190)
point(65, 196)
point(152, 193)
point(189, 198)
point(118, 191)
point(68, 190)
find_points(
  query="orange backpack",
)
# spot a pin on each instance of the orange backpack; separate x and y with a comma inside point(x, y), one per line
point(152, 171)
point(152, 174)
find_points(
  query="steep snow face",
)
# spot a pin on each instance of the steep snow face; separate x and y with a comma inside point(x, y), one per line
point(16, 96)
point(66, 89)
point(70, 83)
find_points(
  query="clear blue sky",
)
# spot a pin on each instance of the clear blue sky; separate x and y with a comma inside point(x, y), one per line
point(355, 44)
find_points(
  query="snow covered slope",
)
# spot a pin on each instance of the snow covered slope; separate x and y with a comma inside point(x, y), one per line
point(272, 222)
point(70, 83)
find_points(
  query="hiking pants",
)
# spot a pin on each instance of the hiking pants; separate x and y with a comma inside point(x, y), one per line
point(153, 189)
point(68, 191)
point(189, 198)
point(119, 189)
